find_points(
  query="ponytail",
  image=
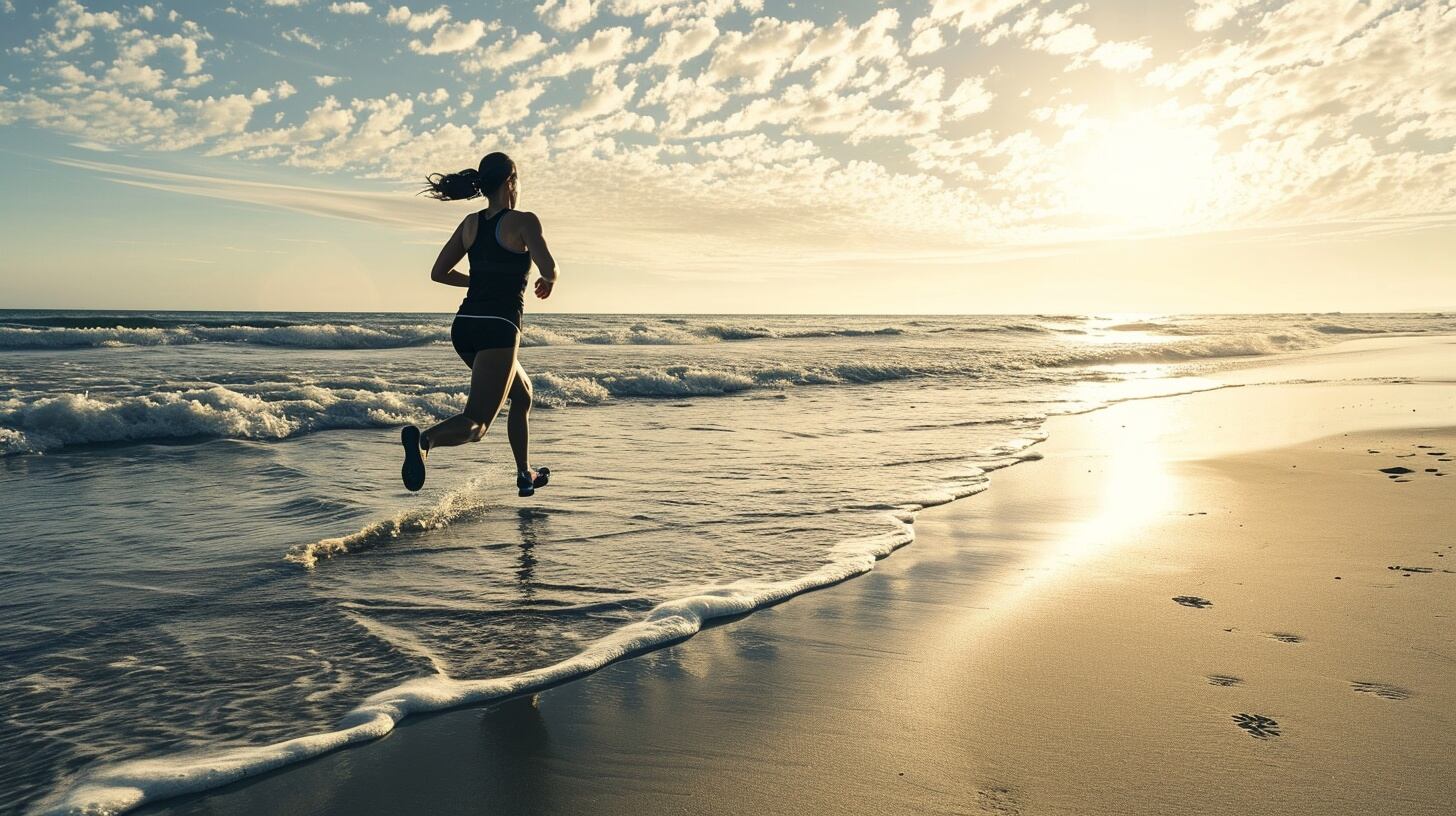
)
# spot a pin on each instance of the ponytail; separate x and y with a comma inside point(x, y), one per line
point(452, 186)
point(495, 169)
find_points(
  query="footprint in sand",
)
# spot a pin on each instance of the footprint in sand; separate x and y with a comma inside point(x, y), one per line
point(1193, 601)
point(1286, 637)
point(999, 800)
point(1258, 726)
point(1384, 691)
point(1224, 680)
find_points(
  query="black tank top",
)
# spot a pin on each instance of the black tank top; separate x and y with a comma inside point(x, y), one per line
point(497, 275)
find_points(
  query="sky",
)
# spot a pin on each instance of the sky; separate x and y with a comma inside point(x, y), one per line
point(746, 156)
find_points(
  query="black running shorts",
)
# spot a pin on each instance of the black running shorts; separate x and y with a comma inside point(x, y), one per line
point(469, 334)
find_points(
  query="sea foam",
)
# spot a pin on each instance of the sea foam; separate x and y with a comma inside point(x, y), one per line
point(453, 506)
point(116, 788)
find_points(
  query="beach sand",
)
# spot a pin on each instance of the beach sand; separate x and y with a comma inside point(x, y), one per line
point(1208, 604)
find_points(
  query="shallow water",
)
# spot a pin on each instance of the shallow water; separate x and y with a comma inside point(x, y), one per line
point(208, 547)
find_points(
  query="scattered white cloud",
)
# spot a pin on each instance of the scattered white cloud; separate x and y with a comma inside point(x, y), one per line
point(678, 45)
point(505, 52)
point(927, 42)
point(973, 14)
point(605, 46)
point(452, 37)
point(602, 98)
point(417, 20)
point(1288, 111)
point(302, 37)
point(1122, 56)
point(567, 15)
point(509, 106)
point(1208, 15)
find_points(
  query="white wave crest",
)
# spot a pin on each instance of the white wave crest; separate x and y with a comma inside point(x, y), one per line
point(451, 507)
point(48, 423)
point(313, 336)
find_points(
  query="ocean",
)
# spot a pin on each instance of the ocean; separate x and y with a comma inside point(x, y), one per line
point(209, 567)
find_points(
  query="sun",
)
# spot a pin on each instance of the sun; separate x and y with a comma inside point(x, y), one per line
point(1142, 172)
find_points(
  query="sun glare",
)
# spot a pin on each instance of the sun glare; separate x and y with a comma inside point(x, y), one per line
point(1143, 172)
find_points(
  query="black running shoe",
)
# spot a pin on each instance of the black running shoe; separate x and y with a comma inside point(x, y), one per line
point(528, 480)
point(413, 471)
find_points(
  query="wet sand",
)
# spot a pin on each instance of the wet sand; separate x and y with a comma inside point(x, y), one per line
point(1215, 603)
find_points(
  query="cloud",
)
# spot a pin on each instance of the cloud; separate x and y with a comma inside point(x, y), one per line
point(452, 37)
point(607, 45)
point(416, 21)
point(973, 14)
point(970, 98)
point(685, 99)
point(1297, 114)
point(567, 15)
point(71, 14)
point(509, 106)
point(678, 12)
point(1209, 15)
point(355, 7)
point(1122, 56)
point(300, 36)
point(505, 52)
point(383, 209)
point(603, 97)
point(678, 45)
point(927, 42)
point(757, 57)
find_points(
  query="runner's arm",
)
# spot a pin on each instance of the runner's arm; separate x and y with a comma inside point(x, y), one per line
point(454, 249)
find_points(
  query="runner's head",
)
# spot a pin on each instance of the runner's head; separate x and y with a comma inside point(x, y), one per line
point(495, 179)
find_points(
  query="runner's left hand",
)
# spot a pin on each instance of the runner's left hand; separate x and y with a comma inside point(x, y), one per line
point(543, 288)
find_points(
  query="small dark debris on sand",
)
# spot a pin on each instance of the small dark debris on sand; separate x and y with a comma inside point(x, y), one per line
point(1193, 601)
point(1399, 568)
point(1224, 680)
point(1258, 726)
point(1397, 470)
point(1286, 637)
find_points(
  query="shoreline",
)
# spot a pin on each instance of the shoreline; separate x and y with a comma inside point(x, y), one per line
point(926, 523)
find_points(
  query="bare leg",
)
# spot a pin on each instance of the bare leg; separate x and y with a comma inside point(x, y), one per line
point(490, 379)
point(519, 420)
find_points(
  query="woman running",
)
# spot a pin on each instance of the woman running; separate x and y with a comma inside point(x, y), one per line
point(502, 243)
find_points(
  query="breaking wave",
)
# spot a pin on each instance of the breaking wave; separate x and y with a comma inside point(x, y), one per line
point(272, 411)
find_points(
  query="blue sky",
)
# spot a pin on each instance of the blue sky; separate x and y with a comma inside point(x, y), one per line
point(738, 155)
